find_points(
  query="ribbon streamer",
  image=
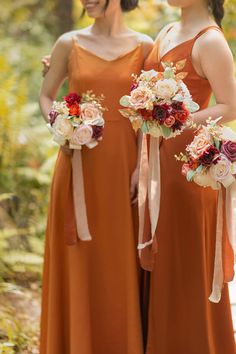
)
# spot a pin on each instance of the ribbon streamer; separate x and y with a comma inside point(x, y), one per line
point(218, 277)
point(230, 212)
point(143, 192)
point(149, 185)
point(79, 197)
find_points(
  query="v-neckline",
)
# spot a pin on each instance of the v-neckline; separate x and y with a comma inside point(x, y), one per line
point(182, 43)
point(172, 49)
point(104, 59)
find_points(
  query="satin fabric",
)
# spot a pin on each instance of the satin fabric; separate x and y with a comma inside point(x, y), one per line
point(91, 302)
point(182, 320)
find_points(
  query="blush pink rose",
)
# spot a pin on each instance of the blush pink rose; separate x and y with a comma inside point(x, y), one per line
point(90, 114)
point(169, 122)
point(141, 98)
point(81, 136)
point(199, 145)
point(185, 169)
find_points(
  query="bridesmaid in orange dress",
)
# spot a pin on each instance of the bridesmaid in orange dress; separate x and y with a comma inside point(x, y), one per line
point(182, 320)
point(91, 302)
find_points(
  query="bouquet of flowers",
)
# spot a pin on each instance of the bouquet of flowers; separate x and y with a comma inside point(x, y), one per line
point(159, 102)
point(77, 120)
point(210, 159)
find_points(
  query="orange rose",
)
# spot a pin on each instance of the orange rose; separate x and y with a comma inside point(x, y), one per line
point(74, 109)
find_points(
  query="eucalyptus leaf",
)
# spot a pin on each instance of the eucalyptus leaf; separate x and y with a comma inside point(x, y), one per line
point(190, 175)
point(144, 128)
point(217, 143)
point(124, 101)
point(166, 131)
point(178, 98)
point(193, 107)
point(199, 169)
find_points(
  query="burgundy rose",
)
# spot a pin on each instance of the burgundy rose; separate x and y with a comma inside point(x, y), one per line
point(177, 126)
point(72, 98)
point(133, 86)
point(228, 148)
point(211, 155)
point(97, 132)
point(52, 117)
point(177, 106)
point(161, 112)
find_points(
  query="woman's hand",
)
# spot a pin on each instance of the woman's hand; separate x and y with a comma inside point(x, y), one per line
point(46, 64)
point(66, 149)
point(134, 186)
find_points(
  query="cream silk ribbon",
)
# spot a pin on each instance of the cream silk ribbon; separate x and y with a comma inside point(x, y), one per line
point(79, 197)
point(230, 212)
point(149, 187)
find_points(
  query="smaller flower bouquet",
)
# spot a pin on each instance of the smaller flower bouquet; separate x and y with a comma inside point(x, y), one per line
point(210, 160)
point(77, 120)
point(159, 102)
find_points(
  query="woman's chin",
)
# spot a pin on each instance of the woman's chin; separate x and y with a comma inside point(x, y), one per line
point(94, 13)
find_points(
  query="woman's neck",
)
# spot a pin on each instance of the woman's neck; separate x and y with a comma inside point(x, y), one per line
point(196, 15)
point(109, 25)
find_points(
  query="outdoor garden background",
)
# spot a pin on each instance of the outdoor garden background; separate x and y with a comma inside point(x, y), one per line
point(28, 28)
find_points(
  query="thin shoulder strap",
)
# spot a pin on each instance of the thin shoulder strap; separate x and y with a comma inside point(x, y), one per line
point(217, 28)
point(164, 33)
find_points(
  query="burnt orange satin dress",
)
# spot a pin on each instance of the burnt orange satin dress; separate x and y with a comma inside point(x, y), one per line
point(181, 318)
point(91, 301)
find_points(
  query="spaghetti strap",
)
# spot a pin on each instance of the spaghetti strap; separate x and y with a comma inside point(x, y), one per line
point(203, 31)
point(217, 28)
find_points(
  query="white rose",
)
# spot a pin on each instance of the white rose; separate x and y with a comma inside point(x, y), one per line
point(166, 89)
point(204, 179)
point(60, 107)
point(62, 127)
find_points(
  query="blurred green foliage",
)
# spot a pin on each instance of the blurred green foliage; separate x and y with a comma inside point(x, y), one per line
point(28, 29)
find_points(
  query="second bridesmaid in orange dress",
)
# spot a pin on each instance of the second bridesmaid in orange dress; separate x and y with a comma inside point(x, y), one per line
point(182, 320)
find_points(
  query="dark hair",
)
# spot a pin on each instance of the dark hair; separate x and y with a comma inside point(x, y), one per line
point(126, 5)
point(218, 11)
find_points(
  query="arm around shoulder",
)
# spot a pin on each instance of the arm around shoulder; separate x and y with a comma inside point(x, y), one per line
point(57, 73)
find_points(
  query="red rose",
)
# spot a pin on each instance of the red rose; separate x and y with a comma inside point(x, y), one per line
point(179, 111)
point(146, 114)
point(74, 109)
point(72, 98)
point(209, 156)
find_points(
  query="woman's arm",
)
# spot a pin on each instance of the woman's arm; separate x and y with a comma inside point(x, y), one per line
point(56, 75)
point(215, 63)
